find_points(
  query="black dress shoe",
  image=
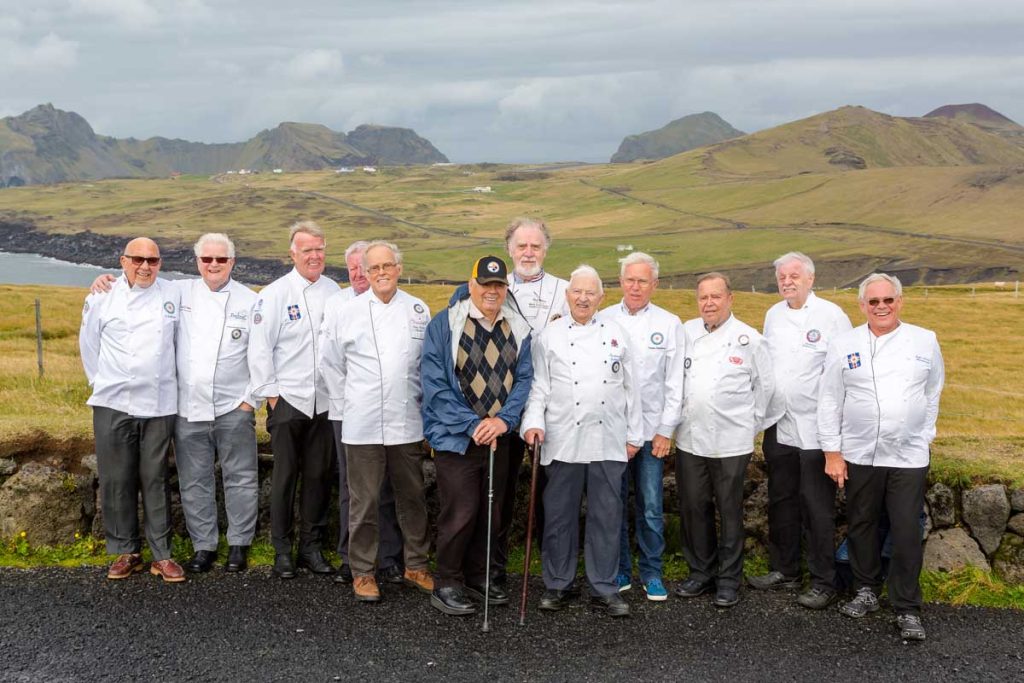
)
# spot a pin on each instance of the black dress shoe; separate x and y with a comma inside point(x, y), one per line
point(283, 566)
point(314, 561)
point(614, 604)
point(202, 561)
point(344, 575)
point(554, 599)
point(498, 596)
point(390, 574)
point(691, 588)
point(773, 580)
point(451, 600)
point(238, 558)
point(726, 596)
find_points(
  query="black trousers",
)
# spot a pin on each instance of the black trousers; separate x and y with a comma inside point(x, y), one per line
point(131, 456)
point(516, 455)
point(801, 502)
point(900, 492)
point(462, 488)
point(303, 447)
point(705, 483)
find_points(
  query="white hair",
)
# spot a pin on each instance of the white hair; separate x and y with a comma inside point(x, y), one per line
point(897, 286)
point(639, 257)
point(306, 227)
point(358, 246)
point(382, 243)
point(795, 256)
point(583, 270)
point(214, 238)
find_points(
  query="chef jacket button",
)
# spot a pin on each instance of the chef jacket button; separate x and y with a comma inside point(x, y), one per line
point(600, 422)
point(603, 343)
point(577, 422)
point(602, 402)
point(577, 402)
point(575, 382)
point(604, 381)
point(572, 344)
point(574, 362)
point(606, 362)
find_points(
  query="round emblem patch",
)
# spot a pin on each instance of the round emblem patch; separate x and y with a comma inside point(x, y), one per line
point(418, 308)
point(615, 366)
point(257, 318)
point(743, 340)
point(813, 336)
point(169, 307)
point(687, 363)
point(492, 267)
point(657, 338)
point(85, 308)
point(236, 334)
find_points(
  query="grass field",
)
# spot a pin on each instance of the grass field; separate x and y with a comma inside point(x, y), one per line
point(980, 434)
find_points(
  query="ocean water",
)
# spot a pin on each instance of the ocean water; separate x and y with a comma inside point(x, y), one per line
point(32, 269)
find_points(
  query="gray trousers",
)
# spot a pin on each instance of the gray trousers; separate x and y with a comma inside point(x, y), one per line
point(368, 467)
point(231, 438)
point(389, 549)
point(562, 497)
point(131, 455)
point(703, 484)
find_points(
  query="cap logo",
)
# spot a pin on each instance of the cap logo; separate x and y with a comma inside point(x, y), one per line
point(492, 267)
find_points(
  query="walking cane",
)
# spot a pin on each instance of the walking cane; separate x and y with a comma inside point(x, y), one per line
point(529, 533)
point(486, 628)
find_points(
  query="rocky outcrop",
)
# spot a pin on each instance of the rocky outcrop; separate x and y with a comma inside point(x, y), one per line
point(941, 505)
point(948, 550)
point(49, 505)
point(986, 511)
point(390, 145)
point(1016, 524)
point(681, 135)
point(1017, 500)
point(1009, 559)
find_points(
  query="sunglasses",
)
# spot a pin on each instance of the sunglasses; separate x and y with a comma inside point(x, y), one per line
point(139, 260)
point(211, 259)
point(888, 301)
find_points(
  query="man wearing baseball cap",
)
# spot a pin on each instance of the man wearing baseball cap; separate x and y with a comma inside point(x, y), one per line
point(476, 372)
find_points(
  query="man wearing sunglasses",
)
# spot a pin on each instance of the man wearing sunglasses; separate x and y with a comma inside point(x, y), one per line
point(127, 348)
point(877, 409)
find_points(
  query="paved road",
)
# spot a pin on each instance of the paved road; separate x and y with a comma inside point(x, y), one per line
point(74, 625)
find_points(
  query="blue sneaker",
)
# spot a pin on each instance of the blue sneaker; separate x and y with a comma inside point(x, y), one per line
point(624, 581)
point(655, 590)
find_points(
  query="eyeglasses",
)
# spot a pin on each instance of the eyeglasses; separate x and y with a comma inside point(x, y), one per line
point(211, 259)
point(139, 260)
point(381, 267)
point(888, 301)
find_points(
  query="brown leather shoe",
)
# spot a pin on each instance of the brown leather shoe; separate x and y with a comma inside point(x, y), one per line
point(365, 588)
point(168, 570)
point(125, 565)
point(420, 579)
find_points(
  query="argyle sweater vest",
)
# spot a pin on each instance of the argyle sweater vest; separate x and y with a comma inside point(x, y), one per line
point(485, 365)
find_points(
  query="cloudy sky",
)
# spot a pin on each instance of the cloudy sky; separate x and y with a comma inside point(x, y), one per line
point(518, 80)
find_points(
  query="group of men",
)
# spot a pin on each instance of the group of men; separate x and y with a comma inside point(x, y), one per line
point(359, 378)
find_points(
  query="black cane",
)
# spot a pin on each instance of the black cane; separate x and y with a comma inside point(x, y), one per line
point(490, 517)
point(529, 533)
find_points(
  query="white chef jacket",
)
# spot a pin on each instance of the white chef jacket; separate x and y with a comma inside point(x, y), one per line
point(283, 341)
point(127, 348)
point(727, 393)
point(330, 323)
point(657, 338)
point(213, 345)
point(370, 360)
point(879, 396)
point(540, 300)
point(584, 394)
point(798, 340)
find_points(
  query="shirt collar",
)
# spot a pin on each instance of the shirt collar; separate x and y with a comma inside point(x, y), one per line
point(477, 314)
point(625, 308)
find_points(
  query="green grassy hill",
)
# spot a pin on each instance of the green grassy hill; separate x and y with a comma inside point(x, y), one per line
point(681, 135)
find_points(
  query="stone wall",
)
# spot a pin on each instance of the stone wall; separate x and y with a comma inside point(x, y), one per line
point(52, 500)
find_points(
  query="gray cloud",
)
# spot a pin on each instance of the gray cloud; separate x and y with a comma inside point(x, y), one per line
point(515, 81)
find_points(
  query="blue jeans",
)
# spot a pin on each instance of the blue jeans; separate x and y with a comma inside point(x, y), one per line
point(646, 472)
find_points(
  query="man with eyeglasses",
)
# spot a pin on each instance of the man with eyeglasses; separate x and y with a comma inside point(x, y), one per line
point(727, 400)
point(127, 349)
point(877, 409)
point(585, 408)
point(370, 361)
point(284, 371)
point(801, 497)
point(389, 552)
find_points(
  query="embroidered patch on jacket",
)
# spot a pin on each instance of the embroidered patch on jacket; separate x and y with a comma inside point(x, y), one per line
point(257, 318)
point(735, 360)
point(813, 336)
point(169, 307)
point(657, 338)
point(615, 366)
point(236, 334)
point(743, 340)
point(418, 308)
point(615, 343)
point(853, 360)
point(687, 363)
point(293, 312)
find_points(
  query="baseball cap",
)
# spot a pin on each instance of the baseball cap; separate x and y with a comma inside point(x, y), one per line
point(490, 269)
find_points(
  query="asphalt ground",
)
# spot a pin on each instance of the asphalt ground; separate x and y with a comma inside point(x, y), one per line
point(74, 625)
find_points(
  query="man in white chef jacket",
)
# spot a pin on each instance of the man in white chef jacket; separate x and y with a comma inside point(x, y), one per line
point(283, 345)
point(371, 365)
point(541, 298)
point(801, 497)
point(126, 344)
point(389, 552)
point(657, 338)
point(727, 400)
point(585, 408)
point(877, 409)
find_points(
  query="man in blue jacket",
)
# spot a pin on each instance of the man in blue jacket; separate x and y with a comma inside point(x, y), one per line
point(476, 372)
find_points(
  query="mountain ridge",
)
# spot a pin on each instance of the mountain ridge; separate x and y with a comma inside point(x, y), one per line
point(681, 135)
